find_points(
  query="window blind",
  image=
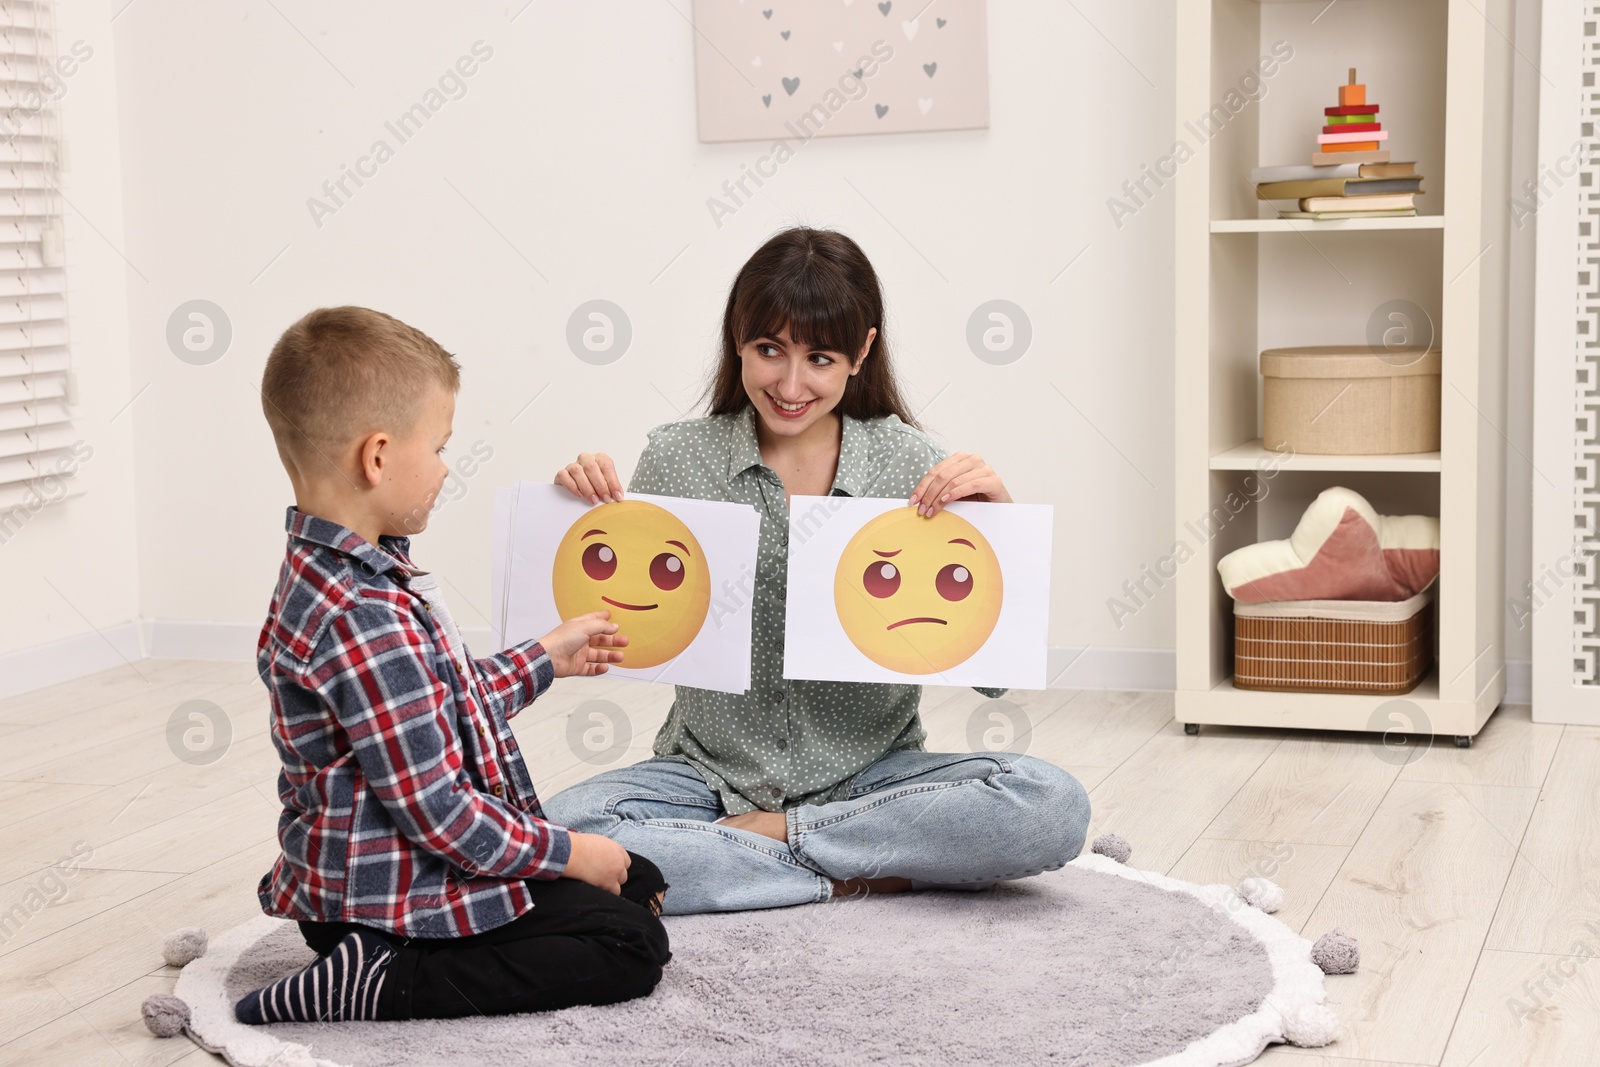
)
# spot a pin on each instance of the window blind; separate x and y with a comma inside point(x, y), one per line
point(36, 382)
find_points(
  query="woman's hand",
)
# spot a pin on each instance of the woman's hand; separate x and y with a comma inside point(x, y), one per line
point(958, 477)
point(592, 477)
point(584, 645)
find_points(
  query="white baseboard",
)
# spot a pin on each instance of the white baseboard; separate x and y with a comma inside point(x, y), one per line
point(74, 657)
point(176, 639)
point(71, 657)
point(1111, 668)
point(1519, 682)
point(1156, 668)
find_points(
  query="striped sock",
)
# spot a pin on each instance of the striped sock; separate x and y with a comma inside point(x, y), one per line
point(343, 985)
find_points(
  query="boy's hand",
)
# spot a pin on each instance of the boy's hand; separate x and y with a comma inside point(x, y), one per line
point(598, 860)
point(592, 477)
point(584, 645)
point(958, 477)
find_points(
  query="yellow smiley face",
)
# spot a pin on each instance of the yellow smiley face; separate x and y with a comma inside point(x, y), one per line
point(641, 563)
point(916, 594)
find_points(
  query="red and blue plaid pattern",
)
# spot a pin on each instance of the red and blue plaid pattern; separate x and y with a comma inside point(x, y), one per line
point(406, 802)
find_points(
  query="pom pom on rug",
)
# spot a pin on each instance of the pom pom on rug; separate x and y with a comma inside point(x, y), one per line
point(1263, 893)
point(164, 1014)
point(1112, 846)
point(1311, 1025)
point(1336, 952)
point(184, 946)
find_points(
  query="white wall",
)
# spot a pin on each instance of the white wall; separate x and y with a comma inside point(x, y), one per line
point(576, 141)
point(1524, 165)
point(573, 156)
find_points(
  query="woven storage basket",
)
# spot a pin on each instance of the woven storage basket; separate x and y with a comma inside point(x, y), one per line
point(1333, 646)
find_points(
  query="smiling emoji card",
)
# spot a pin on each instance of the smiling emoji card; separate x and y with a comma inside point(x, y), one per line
point(638, 561)
point(879, 593)
point(673, 573)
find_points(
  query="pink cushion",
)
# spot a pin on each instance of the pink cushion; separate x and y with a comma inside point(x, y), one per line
point(1341, 550)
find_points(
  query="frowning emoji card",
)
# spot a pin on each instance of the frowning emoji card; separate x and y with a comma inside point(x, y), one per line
point(879, 593)
point(667, 569)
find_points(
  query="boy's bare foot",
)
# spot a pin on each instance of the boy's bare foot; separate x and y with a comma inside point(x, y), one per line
point(773, 824)
point(854, 887)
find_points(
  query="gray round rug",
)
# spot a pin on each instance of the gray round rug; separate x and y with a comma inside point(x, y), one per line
point(1096, 963)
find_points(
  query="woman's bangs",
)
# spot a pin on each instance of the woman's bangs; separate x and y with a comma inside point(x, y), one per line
point(832, 325)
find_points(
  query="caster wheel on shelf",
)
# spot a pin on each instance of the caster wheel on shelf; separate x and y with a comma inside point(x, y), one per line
point(1463, 741)
point(1192, 729)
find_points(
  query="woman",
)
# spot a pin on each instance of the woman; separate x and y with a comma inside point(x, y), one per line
point(796, 790)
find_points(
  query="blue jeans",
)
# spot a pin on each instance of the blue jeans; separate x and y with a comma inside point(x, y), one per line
point(935, 817)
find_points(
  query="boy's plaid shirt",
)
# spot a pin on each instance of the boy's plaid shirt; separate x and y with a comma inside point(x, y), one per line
point(406, 802)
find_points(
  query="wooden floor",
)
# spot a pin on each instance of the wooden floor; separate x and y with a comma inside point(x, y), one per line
point(1471, 877)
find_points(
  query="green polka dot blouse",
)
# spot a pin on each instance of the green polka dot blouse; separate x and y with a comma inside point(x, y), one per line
point(784, 742)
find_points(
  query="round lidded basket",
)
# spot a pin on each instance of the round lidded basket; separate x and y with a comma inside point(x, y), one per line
point(1351, 400)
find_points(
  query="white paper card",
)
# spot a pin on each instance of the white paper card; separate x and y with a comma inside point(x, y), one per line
point(878, 593)
point(667, 568)
point(504, 501)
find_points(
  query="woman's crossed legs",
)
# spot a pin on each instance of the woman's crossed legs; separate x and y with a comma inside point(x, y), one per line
point(930, 817)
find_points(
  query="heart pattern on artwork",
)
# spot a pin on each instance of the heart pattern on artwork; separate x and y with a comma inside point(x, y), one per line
point(908, 26)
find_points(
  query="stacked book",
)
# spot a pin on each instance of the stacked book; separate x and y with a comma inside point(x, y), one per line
point(1350, 175)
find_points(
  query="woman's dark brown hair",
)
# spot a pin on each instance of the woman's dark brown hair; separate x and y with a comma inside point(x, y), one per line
point(820, 285)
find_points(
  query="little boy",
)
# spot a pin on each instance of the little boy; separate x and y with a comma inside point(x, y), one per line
point(416, 857)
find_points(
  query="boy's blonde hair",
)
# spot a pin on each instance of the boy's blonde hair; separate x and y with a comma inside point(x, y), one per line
point(341, 373)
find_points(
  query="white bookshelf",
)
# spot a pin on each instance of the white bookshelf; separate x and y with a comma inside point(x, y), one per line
point(1250, 455)
point(1246, 281)
point(1309, 226)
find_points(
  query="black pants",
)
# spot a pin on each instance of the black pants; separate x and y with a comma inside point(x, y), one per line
point(577, 945)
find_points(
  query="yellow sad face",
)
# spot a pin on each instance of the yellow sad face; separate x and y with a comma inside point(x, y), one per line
point(641, 563)
point(916, 594)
